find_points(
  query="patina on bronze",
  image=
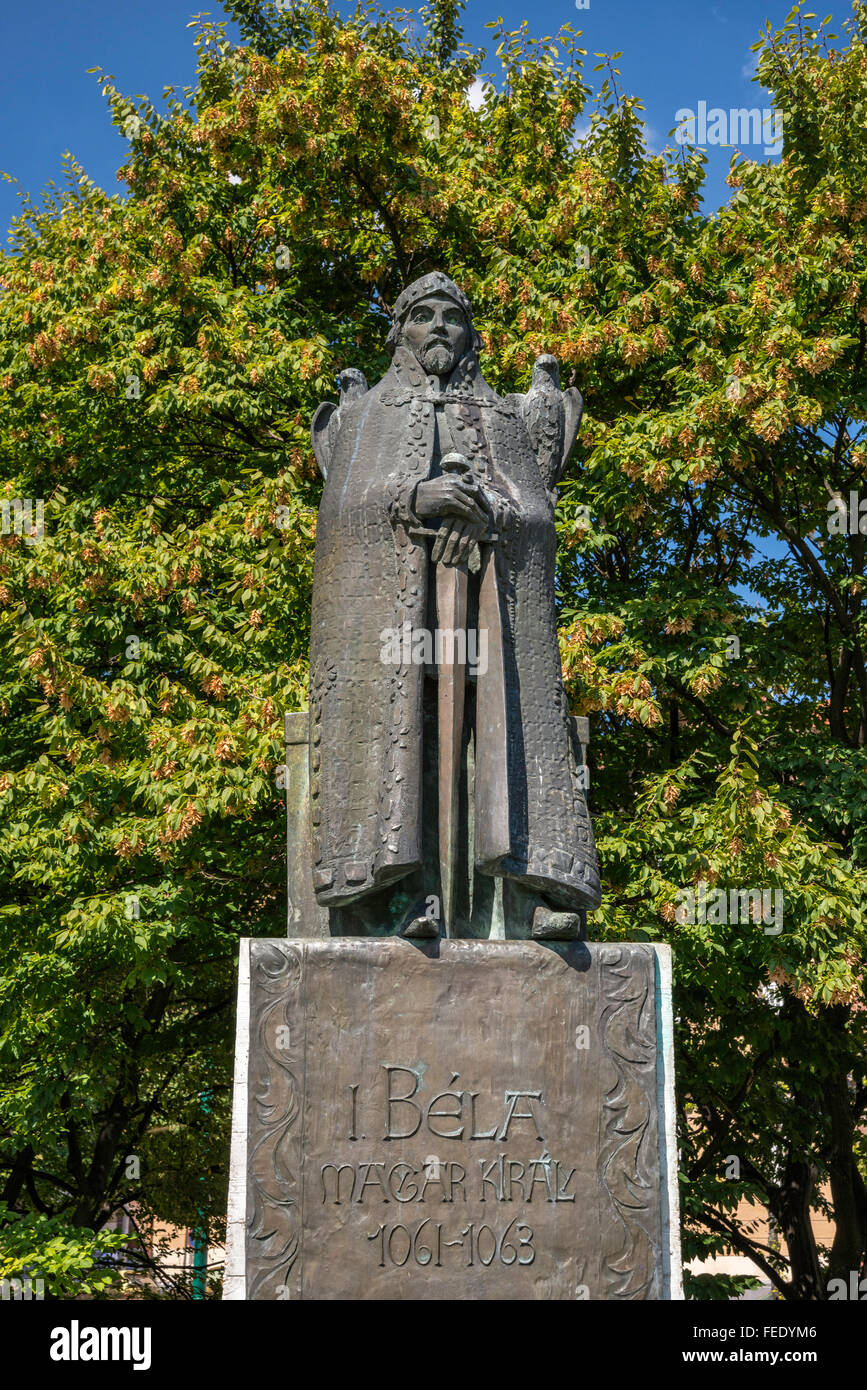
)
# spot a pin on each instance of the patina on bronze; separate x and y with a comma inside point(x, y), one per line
point(458, 809)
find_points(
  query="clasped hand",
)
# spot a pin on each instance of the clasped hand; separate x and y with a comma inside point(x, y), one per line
point(460, 500)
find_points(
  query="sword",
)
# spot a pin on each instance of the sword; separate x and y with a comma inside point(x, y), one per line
point(452, 584)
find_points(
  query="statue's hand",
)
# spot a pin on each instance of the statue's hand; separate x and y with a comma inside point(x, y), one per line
point(453, 542)
point(453, 495)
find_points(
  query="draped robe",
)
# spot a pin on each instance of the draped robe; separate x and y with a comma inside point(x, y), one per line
point(372, 575)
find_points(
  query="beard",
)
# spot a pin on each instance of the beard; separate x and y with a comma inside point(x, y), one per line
point(437, 357)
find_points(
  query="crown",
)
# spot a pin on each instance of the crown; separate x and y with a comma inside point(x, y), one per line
point(434, 283)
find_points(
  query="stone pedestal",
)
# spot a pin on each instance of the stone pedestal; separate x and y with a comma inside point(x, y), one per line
point(453, 1119)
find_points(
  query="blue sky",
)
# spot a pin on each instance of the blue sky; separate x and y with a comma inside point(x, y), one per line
point(674, 56)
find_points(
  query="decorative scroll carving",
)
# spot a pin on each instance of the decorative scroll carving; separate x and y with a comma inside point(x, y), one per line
point(628, 1158)
point(276, 1062)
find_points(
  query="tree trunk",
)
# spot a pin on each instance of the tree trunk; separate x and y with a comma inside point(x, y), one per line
point(791, 1210)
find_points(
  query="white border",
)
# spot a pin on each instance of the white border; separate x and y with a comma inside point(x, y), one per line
point(672, 1274)
point(235, 1277)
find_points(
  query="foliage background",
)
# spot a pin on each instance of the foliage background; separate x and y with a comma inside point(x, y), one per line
point(161, 354)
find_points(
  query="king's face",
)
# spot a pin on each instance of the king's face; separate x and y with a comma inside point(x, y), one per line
point(437, 332)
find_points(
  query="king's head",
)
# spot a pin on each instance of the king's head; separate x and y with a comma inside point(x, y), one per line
point(433, 318)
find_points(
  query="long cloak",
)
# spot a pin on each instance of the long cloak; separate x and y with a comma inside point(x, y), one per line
point(371, 575)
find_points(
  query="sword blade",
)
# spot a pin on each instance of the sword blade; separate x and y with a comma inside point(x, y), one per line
point(452, 582)
point(491, 732)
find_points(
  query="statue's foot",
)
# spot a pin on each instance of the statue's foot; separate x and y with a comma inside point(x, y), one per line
point(421, 927)
point(549, 925)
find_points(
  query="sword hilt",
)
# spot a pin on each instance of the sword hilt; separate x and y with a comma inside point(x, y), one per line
point(454, 462)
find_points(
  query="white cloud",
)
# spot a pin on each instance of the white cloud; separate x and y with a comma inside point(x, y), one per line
point(651, 138)
point(582, 128)
point(476, 94)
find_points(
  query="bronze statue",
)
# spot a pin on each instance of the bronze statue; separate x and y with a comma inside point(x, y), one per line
point(444, 789)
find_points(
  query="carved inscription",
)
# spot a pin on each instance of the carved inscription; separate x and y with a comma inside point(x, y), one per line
point(436, 1112)
point(500, 1179)
point(397, 1244)
point(400, 1110)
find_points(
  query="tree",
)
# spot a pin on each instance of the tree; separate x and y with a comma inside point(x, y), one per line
point(161, 356)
